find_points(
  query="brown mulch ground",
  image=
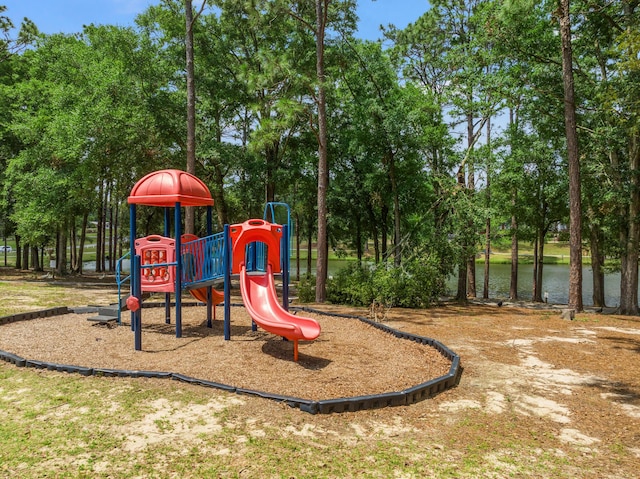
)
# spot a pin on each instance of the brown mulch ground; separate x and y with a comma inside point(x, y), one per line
point(350, 358)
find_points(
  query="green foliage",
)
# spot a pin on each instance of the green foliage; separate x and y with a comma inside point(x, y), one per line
point(412, 168)
point(10, 43)
point(352, 285)
point(307, 289)
point(416, 284)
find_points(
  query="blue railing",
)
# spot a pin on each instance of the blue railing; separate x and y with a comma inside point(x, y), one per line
point(202, 260)
point(122, 278)
point(256, 256)
point(273, 211)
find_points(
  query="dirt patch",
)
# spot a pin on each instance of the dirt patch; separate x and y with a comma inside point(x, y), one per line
point(539, 396)
point(578, 379)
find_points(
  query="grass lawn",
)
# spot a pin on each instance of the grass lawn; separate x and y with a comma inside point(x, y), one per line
point(566, 417)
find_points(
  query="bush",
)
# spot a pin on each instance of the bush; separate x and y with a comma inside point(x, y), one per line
point(415, 284)
point(307, 289)
point(352, 285)
point(425, 283)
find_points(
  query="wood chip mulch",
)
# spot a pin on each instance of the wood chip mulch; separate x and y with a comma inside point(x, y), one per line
point(350, 358)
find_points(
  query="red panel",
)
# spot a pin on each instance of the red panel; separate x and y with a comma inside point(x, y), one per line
point(157, 250)
point(255, 230)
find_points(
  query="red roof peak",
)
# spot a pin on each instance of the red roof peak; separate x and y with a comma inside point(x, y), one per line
point(167, 187)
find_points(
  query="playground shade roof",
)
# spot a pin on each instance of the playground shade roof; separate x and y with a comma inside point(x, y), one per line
point(167, 187)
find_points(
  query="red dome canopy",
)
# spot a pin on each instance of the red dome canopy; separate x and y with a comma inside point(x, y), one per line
point(167, 187)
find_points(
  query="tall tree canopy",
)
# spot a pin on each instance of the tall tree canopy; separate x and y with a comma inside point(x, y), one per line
point(443, 139)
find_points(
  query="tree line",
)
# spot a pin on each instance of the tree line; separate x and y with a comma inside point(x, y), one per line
point(481, 122)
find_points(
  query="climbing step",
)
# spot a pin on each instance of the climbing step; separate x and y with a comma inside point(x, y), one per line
point(84, 309)
point(102, 319)
point(106, 314)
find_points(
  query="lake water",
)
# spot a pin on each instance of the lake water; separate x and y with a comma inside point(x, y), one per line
point(555, 282)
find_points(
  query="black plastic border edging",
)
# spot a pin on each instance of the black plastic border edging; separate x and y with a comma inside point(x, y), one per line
point(45, 313)
point(406, 397)
point(411, 395)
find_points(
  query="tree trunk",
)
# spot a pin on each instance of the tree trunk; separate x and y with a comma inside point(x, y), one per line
point(18, 253)
point(189, 219)
point(73, 245)
point(359, 251)
point(25, 256)
point(461, 294)
point(390, 160)
point(487, 237)
point(99, 227)
point(61, 253)
point(384, 213)
point(322, 262)
point(471, 276)
point(630, 235)
point(534, 285)
point(83, 239)
point(575, 206)
point(597, 265)
point(513, 284)
point(462, 283)
point(487, 256)
point(629, 266)
point(374, 232)
point(298, 239)
point(540, 267)
point(109, 250)
point(309, 248)
point(471, 186)
point(35, 259)
point(114, 235)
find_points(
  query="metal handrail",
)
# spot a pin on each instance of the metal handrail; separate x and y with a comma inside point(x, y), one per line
point(202, 260)
point(120, 281)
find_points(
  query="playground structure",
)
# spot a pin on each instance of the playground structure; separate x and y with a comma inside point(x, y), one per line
point(255, 250)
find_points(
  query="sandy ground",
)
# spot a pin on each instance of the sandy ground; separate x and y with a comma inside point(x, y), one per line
point(536, 390)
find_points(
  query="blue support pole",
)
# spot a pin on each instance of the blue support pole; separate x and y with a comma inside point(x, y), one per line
point(226, 262)
point(208, 257)
point(167, 296)
point(178, 289)
point(138, 314)
point(132, 245)
point(135, 280)
point(252, 257)
point(285, 267)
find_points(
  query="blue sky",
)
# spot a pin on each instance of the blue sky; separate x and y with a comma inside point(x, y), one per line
point(68, 16)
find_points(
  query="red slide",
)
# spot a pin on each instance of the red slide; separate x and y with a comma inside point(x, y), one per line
point(201, 295)
point(260, 299)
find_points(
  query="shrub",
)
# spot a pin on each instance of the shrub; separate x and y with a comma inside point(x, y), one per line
point(425, 282)
point(351, 285)
point(416, 283)
point(307, 289)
